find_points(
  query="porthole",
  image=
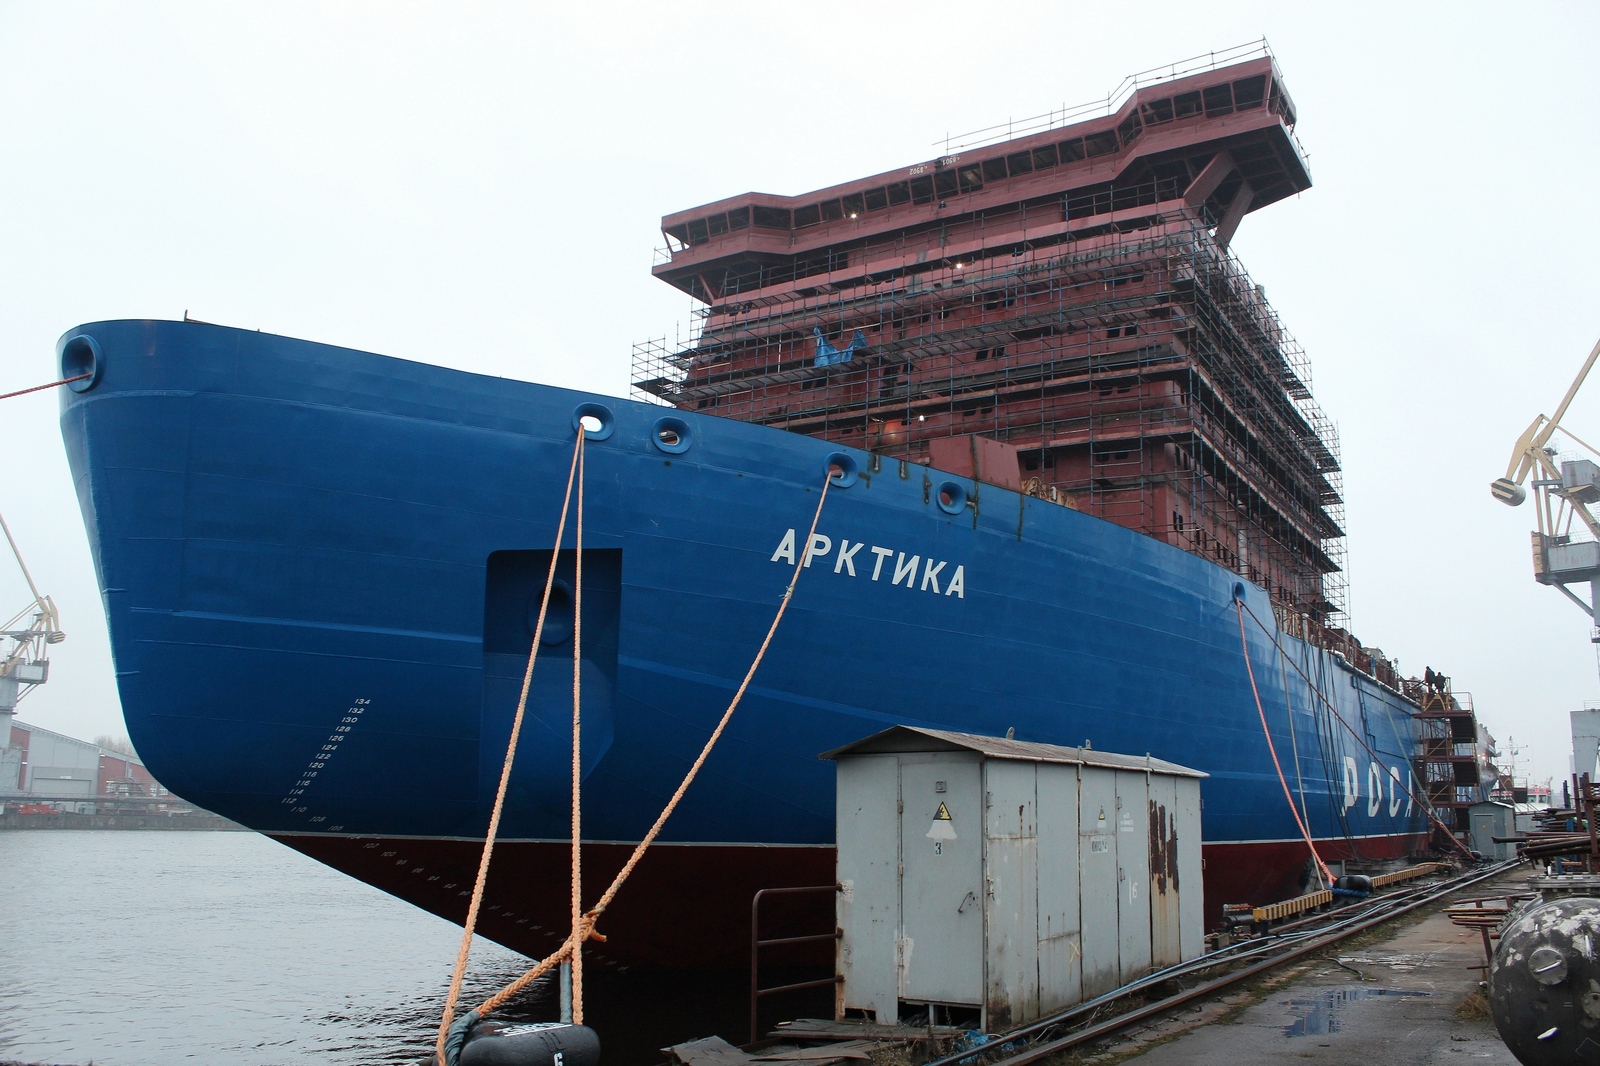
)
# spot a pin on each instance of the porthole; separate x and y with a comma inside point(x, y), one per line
point(80, 356)
point(952, 498)
point(672, 435)
point(842, 470)
point(596, 419)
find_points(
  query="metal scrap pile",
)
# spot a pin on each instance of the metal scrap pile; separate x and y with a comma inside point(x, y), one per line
point(1563, 836)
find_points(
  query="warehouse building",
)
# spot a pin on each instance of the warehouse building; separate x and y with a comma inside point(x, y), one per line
point(41, 766)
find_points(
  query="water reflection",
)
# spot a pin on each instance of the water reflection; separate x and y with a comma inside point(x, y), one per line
point(1319, 1015)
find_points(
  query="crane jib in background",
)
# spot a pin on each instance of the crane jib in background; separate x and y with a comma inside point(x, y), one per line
point(24, 664)
point(1564, 489)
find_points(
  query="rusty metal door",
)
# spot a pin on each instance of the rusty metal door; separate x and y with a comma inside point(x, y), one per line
point(1165, 944)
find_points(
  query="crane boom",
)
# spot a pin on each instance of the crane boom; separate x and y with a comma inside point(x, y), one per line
point(25, 664)
point(1529, 451)
point(1564, 490)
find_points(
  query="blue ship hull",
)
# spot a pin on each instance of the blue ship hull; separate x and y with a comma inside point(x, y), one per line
point(317, 566)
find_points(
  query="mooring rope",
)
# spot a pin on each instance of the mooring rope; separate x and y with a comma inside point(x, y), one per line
point(1427, 808)
point(577, 755)
point(585, 929)
point(46, 385)
point(505, 769)
point(1244, 645)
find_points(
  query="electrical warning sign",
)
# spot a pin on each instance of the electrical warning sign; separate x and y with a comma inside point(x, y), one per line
point(943, 827)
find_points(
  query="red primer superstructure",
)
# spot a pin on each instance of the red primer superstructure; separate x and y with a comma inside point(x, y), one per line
point(1069, 294)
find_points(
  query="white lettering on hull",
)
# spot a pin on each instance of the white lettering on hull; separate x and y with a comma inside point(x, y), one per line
point(1400, 794)
point(904, 571)
point(785, 552)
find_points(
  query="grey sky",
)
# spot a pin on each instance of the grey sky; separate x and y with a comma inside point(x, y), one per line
point(479, 186)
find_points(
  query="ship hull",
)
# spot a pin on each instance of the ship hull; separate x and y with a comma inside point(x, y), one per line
point(688, 906)
point(318, 564)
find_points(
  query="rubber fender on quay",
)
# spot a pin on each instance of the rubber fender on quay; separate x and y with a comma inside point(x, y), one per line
point(493, 1043)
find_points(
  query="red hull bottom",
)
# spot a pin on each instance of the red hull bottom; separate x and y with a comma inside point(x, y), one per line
point(687, 906)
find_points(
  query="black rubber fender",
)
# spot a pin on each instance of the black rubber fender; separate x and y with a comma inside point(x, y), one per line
point(494, 1043)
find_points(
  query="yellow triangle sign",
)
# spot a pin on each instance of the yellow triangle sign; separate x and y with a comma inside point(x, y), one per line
point(942, 814)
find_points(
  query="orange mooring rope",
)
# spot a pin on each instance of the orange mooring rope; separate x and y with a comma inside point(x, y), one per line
point(46, 385)
point(505, 770)
point(1426, 808)
point(585, 927)
point(1244, 645)
point(577, 756)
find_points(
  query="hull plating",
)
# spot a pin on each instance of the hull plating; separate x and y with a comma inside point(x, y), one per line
point(317, 567)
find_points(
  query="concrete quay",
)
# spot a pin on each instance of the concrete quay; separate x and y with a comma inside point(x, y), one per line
point(1404, 994)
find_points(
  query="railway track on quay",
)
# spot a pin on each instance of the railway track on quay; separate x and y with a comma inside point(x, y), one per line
point(1132, 1004)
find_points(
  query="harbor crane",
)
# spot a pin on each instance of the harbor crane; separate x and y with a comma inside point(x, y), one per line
point(1564, 489)
point(27, 636)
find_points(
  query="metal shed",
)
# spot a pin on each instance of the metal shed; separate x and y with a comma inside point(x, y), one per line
point(988, 881)
point(1490, 819)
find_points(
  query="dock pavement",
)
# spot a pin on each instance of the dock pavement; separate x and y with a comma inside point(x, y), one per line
point(1405, 994)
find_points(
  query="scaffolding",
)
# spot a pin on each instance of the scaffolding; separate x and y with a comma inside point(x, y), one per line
point(1450, 766)
point(1134, 365)
point(1063, 286)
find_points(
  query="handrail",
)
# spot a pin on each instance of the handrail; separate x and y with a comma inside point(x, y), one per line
point(1005, 131)
point(756, 944)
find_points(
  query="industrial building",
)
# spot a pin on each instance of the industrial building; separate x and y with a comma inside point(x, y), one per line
point(39, 766)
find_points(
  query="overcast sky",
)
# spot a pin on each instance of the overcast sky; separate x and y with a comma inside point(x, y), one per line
point(480, 186)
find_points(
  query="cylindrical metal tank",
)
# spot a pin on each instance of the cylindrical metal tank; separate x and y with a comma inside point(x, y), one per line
point(1544, 981)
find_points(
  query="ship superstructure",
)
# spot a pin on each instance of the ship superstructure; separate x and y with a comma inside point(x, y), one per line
point(1068, 292)
point(336, 551)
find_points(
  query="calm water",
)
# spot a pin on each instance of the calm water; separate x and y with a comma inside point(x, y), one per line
point(134, 948)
